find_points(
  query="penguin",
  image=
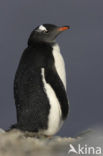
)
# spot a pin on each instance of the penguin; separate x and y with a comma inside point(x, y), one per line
point(40, 83)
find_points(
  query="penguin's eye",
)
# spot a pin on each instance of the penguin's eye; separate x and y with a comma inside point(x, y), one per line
point(45, 31)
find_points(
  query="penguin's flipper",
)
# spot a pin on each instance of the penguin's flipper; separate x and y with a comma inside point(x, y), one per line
point(54, 80)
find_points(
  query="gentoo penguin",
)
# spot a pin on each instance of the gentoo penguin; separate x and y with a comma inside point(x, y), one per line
point(40, 83)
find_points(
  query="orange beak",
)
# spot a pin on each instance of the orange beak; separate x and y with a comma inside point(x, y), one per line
point(64, 28)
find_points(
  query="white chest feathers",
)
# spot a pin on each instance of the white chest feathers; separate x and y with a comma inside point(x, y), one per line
point(55, 114)
point(59, 64)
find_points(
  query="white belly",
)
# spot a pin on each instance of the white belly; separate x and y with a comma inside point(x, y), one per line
point(55, 114)
point(59, 64)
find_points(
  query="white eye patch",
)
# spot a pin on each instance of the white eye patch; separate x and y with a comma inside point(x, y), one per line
point(42, 28)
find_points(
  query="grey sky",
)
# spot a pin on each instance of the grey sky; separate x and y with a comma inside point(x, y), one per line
point(82, 50)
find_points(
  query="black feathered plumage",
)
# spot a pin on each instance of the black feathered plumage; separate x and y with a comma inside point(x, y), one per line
point(32, 103)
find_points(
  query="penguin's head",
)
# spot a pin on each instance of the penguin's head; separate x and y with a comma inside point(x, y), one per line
point(46, 33)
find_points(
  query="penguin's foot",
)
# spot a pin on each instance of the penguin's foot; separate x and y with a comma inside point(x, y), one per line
point(37, 135)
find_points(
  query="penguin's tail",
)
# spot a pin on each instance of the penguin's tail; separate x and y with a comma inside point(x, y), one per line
point(12, 127)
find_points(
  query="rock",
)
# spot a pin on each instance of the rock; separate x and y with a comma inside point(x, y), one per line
point(17, 143)
point(2, 131)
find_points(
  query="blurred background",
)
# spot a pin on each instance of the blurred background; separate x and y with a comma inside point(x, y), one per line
point(82, 50)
